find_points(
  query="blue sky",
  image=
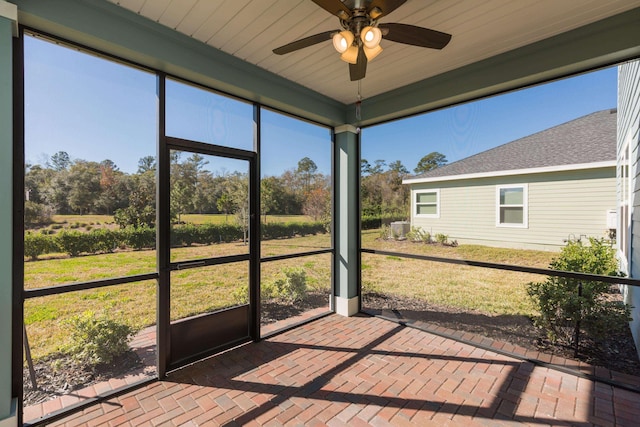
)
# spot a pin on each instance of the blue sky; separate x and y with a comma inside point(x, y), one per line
point(96, 109)
point(461, 131)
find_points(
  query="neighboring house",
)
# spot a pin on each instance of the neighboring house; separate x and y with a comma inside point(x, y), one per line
point(536, 192)
point(628, 190)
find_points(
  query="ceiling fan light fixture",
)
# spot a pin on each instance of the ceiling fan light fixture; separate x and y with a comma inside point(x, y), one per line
point(350, 55)
point(357, 39)
point(343, 40)
point(372, 52)
point(371, 37)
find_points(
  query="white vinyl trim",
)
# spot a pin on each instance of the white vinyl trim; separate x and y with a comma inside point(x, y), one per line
point(561, 168)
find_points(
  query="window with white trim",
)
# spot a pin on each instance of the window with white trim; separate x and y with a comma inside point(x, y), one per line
point(427, 204)
point(511, 209)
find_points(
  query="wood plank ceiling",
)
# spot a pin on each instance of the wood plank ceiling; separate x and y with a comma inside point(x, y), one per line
point(250, 29)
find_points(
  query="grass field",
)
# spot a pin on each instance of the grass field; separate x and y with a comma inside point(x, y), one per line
point(82, 219)
point(104, 220)
point(200, 290)
point(489, 291)
point(193, 291)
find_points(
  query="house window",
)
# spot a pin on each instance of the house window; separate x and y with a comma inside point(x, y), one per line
point(511, 206)
point(427, 204)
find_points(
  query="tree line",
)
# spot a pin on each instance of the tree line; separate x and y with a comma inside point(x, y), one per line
point(65, 186)
point(382, 193)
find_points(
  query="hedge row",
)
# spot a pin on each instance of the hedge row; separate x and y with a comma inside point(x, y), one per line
point(284, 230)
point(99, 240)
point(371, 222)
point(103, 240)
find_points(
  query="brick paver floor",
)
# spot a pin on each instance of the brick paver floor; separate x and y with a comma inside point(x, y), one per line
point(365, 371)
point(144, 345)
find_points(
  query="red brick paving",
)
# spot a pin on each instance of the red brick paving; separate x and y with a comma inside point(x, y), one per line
point(144, 344)
point(365, 371)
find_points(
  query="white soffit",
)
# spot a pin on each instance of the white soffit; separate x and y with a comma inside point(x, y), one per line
point(250, 29)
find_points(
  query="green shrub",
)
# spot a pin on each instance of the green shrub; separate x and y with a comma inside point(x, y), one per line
point(36, 244)
point(184, 235)
point(279, 230)
point(189, 234)
point(139, 237)
point(385, 232)
point(105, 240)
point(97, 338)
point(442, 238)
point(561, 307)
point(74, 242)
point(417, 234)
point(225, 233)
point(290, 287)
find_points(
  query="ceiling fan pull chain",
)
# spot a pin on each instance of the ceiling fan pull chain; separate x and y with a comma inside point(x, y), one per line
point(359, 102)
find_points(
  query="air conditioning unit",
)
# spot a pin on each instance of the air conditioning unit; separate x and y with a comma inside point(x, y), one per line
point(612, 219)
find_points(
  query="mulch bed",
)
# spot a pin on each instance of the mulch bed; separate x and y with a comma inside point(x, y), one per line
point(274, 311)
point(617, 352)
point(58, 375)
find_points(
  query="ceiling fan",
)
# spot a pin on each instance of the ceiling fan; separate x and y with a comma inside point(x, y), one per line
point(359, 40)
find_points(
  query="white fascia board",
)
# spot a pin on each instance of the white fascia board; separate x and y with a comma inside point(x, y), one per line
point(10, 12)
point(547, 169)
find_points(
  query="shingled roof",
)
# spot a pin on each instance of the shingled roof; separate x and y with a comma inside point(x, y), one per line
point(587, 139)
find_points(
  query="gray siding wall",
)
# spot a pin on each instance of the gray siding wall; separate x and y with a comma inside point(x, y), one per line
point(561, 205)
point(629, 133)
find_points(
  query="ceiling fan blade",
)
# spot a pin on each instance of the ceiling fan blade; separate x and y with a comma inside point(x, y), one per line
point(416, 36)
point(334, 7)
point(305, 42)
point(384, 6)
point(358, 70)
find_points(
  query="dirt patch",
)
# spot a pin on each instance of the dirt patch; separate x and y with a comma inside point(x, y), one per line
point(617, 352)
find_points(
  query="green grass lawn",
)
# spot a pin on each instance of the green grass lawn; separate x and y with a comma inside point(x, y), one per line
point(200, 290)
point(104, 220)
point(489, 291)
point(193, 291)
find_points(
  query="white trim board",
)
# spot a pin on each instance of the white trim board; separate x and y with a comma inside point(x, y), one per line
point(546, 169)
